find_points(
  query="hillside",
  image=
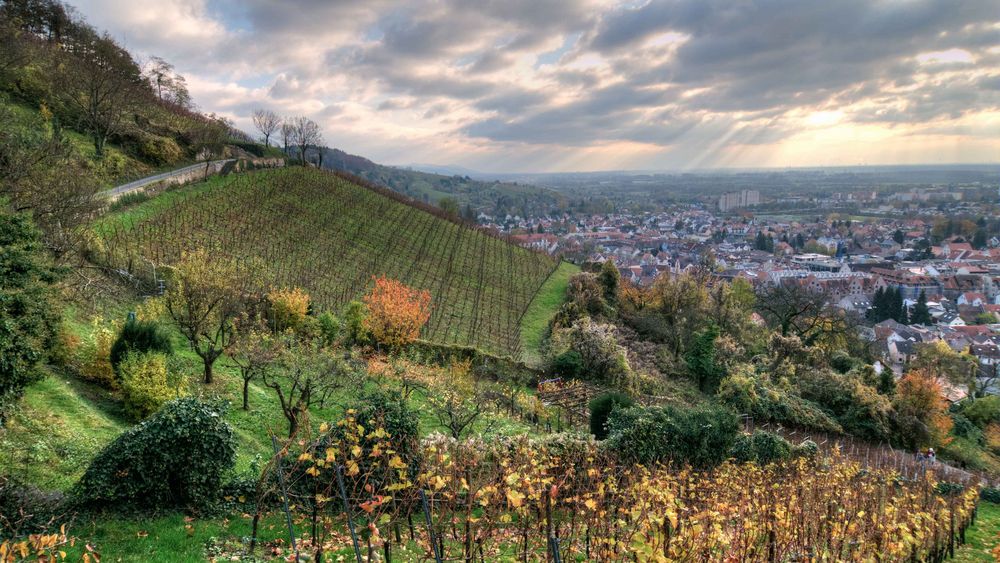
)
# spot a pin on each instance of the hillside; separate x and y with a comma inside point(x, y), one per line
point(493, 198)
point(311, 229)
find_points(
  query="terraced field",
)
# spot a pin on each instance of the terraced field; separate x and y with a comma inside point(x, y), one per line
point(329, 235)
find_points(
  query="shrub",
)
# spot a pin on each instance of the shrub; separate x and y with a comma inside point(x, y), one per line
point(601, 408)
point(700, 436)
point(984, 411)
point(568, 365)
point(139, 337)
point(288, 308)
point(805, 448)
point(354, 322)
point(128, 200)
point(760, 447)
point(146, 383)
point(25, 509)
point(748, 394)
point(176, 459)
point(396, 312)
point(990, 494)
point(329, 328)
point(604, 360)
point(95, 355)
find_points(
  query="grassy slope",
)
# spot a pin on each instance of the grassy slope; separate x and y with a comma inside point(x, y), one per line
point(541, 310)
point(983, 537)
point(328, 236)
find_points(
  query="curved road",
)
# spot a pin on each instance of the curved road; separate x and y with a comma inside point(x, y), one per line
point(143, 182)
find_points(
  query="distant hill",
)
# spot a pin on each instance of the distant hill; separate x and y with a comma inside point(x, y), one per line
point(491, 197)
point(329, 235)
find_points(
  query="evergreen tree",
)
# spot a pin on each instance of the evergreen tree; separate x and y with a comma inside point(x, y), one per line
point(28, 319)
point(979, 239)
point(897, 311)
point(921, 314)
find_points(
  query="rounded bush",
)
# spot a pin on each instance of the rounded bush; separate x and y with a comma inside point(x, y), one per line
point(146, 383)
point(176, 459)
point(700, 436)
point(569, 364)
point(601, 408)
point(140, 337)
point(760, 447)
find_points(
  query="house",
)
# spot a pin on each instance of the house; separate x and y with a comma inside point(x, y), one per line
point(972, 298)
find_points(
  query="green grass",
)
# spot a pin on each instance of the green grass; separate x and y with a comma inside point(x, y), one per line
point(543, 307)
point(310, 229)
point(61, 424)
point(163, 539)
point(981, 538)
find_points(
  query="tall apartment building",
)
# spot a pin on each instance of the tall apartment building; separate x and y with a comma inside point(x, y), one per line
point(739, 200)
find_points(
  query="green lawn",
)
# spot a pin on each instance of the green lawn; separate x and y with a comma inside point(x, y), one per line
point(983, 536)
point(543, 307)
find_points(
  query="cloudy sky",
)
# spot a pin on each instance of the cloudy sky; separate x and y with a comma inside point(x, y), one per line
point(533, 85)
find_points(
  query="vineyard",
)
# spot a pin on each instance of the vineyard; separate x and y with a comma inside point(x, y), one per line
point(329, 236)
point(567, 499)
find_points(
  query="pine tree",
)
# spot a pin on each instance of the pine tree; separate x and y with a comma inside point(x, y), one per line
point(921, 314)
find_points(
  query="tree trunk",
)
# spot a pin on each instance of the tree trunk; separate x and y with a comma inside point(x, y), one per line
point(246, 389)
point(208, 368)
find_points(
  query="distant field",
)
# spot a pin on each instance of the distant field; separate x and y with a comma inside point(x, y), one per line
point(310, 229)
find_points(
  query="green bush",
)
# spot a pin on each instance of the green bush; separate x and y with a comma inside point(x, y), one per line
point(700, 436)
point(146, 383)
point(805, 448)
point(568, 365)
point(990, 494)
point(329, 327)
point(176, 459)
point(140, 337)
point(749, 394)
point(760, 447)
point(983, 411)
point(601, 408)
point(354, 322)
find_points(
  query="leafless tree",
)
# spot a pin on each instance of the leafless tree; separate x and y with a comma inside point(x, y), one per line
point(169, 86)
point(305, 134)
point(39, 173)
point(304, 375)
point(101, 86)
point(794, 309)
point(209, 139)
point(267, 122)
point(286, 134)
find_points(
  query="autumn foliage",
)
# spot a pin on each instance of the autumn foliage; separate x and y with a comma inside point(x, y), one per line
point(919, 397)
point(396, 312)
point(289, 308)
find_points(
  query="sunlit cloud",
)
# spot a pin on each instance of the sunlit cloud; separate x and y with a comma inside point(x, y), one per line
point(546, 85)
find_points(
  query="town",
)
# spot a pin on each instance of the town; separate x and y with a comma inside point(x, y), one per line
point(912, 266)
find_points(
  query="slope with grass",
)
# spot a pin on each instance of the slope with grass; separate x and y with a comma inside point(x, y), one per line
point(328, 235)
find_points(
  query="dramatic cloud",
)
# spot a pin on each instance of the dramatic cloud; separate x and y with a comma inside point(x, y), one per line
point(505, 85)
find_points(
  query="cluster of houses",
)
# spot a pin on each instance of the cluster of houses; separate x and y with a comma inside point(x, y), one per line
point(847, 261)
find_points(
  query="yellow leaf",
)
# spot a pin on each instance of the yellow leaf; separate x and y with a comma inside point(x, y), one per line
point(515, 498)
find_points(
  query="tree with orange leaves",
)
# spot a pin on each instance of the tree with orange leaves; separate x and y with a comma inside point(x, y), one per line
point(396, 312)
point(922, 409)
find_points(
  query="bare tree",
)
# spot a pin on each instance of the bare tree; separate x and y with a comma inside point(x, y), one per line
point(286, 135)
point(209, 138)
point(305, 134)
point(168, 84)
point(100, 88)
point(267, 122)
point(39, 173)
point(794, 309)
point(304, 375)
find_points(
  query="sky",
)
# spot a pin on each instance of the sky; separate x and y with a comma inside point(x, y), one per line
point(582, 85)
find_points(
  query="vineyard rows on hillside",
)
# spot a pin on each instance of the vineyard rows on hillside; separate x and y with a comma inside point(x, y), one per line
point(329, 236)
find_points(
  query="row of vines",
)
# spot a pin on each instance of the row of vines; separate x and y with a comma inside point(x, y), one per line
point(318, 231)
point(565, 499)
